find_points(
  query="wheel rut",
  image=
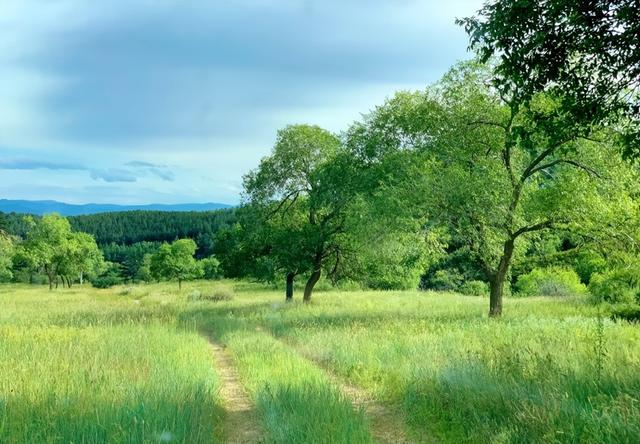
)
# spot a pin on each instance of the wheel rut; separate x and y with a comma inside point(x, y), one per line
point(241, 425)
point(387, 425)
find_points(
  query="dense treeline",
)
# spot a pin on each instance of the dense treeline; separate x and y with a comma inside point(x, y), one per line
point(127, 241)
point(130, 227)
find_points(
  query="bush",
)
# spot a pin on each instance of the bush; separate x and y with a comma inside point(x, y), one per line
point(106, 281)
point(620, 285)
point(552, 281)
point(111, 275)
point(629, 313)
point(211, 268)
point(446, 280)
point(474, 288)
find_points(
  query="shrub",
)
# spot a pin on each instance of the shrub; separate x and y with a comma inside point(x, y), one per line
point(629, 313)
point(620, 285)
point(110, 276)
point(211, 268)
point(552, 281)
point(474, 288)
point(446, 280)
point(106, 281)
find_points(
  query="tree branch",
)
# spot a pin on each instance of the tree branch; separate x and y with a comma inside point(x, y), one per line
point(530, 228)
point(568, 161)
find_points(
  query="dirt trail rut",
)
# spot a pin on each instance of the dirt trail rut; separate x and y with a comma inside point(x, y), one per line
point(387, 426)
point(240, 426)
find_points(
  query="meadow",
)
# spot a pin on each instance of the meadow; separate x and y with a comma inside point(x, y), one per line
point(134, 364)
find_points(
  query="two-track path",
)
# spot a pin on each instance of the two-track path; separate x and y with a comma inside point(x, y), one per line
point(242, 426)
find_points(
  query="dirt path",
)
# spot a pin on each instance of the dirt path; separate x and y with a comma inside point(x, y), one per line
point(240, 425)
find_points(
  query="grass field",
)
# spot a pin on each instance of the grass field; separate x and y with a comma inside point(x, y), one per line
point(132, 364)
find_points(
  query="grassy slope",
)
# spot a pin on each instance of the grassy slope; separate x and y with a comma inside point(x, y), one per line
point(534, 376)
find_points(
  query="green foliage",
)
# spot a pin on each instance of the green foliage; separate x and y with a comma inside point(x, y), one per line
point(175, 261)
point(474, 288)
point(619, 285)
point(553, 281)
point(52, 247)
point(131, 257)
point(445, 280)
point(585, 52)
point(7, 251)
point(110, 275)
point(131, 227)
point(210, 268)
point(630, 313)
point(587, 263)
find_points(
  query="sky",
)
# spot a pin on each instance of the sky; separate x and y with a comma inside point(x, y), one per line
point(141, 101)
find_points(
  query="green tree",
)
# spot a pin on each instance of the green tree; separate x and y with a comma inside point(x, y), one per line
point(495, 171)
point(584, 51)
point(82, 257)
point(52, 247)
point(46, 244)
point(175, 261)
point(210, 267)
point(301, 195)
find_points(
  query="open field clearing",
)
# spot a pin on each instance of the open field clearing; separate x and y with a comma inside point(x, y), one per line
point(134, 364)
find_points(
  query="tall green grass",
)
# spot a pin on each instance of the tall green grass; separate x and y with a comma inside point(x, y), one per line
point(295, 399)
point(88, 365)
point(73, 371)
point(537, 375)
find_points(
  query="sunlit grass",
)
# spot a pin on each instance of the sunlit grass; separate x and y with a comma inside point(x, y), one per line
point(87, 365)
point(532, 376)
point(72, 371)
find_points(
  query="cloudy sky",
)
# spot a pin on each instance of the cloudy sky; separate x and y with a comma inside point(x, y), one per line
point(170, 101)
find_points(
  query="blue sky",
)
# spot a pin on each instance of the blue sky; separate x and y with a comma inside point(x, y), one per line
point(164, 101)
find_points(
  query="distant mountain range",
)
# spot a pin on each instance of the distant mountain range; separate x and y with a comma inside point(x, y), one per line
point(41, 207)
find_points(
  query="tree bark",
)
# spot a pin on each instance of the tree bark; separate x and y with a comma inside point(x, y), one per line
point(81, 278)
point(179, 284)
point(289, 288)
point(496, 281)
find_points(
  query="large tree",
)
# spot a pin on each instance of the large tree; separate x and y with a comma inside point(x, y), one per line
point(585, 51)
point(494, 171)
point(306, 182)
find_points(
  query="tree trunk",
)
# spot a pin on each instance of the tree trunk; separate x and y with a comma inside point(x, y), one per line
point(179, 284)
point(496, 281)
point(50, 282)
point(289, 289)
point(308, 288)
point(81, 278)
point(314, 278)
